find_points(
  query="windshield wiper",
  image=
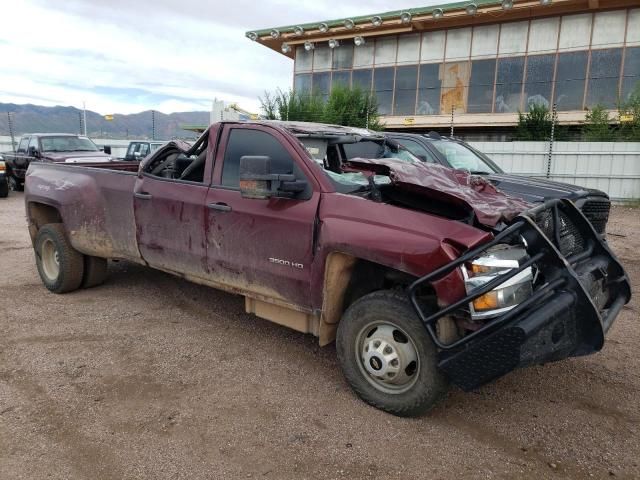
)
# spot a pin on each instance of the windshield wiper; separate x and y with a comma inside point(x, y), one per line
point(479, 172)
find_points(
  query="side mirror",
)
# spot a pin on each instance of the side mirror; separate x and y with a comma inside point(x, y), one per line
point(423, 158)
point(106, 149)
point(257, 181)
point(33, 152)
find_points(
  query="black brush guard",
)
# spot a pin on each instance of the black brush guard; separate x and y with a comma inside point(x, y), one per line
point(583, 287)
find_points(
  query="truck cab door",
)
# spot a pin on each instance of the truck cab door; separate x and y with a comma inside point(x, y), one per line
point(263, 246)
point(170, 213)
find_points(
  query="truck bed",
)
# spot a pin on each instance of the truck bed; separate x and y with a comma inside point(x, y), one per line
point(95, 202)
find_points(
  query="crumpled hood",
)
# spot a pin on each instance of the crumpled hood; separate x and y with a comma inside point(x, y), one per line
point(80, 157)
point(471, 192)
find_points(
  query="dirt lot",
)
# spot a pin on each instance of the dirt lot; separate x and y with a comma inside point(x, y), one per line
point(152, 377)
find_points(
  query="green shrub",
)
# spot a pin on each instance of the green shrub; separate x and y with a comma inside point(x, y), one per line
point(352, 107)
point(597, 126)
point(535, 125)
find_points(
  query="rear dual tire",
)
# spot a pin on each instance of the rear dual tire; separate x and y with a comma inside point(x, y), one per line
point(62, 268)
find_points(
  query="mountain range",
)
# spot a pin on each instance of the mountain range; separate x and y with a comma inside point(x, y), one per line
point(59, 119)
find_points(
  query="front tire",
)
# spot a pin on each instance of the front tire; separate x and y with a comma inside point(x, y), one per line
point(387, 356)
point(60, 266)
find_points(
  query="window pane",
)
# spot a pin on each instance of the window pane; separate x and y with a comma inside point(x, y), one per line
point(363, 55)
point(458, 43)
point(417, 149)
point(631, 79)
point(537, 89)
point(343, 57)
point(406, 84)
point(22, 147)
point(633, 27)
point(409, 48)
point(253, 142)
point(509, 84)
point(608, 29)
point(362, 79)
point(575, 33)
point(570, 80)
point(322, 58)
point(322, 84)
point(485, 41)
point(303, 83)
point(432, 46)
point(429, 89)
point(383, 87)
point(455, 85)
point(481, 86)
point(543, 34)
point(304, 60)
point(513, 38)
point(604, 75)
point(386, 50)
point(341, 78)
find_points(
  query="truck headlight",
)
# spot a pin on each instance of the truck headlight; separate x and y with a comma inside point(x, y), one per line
point(496, 262)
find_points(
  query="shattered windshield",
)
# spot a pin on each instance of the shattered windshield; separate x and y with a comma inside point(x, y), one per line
point(331, 155)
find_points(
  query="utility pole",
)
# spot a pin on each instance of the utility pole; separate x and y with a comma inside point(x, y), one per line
point(153, 124)
point(13, 140)
point(80, 123)
point(366, 125)
point(84, 117)
point(453, 108)
point(554, 119)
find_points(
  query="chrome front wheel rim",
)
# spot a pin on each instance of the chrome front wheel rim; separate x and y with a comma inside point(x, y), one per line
point(387, 357)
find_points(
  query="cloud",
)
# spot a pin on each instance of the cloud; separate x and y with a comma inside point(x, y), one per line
point(126, 56)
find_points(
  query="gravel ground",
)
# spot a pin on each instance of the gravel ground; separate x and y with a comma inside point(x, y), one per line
point(149, 376)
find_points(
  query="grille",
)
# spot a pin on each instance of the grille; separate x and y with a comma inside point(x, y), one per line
point(571, 241)
point(597, 212)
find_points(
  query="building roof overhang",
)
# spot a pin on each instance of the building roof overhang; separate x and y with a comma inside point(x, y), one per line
point(423, 19)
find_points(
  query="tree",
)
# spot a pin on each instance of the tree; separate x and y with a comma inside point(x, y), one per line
point(352, 107)
point(534, 125)
point(597, 126)
point(630, 112)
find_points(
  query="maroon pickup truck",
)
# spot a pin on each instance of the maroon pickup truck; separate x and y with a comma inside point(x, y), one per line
point(424, 276)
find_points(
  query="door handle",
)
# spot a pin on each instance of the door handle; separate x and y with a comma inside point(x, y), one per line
point(143, 195)
point(222, 207)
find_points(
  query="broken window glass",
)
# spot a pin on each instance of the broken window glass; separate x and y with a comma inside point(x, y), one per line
point(509, 84)
point(362, 79)
point(406, 84)
point(570, 80)
point(631, 80)
point(429, 89)
point(383, 87)
point(302, 84)
point(604, 76)
point(537, 89)
point(481, 86)
point(342, 78)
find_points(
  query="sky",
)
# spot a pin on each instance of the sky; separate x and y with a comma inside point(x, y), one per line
point(127, 56)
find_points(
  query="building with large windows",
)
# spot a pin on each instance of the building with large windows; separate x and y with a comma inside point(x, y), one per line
point(481, 62)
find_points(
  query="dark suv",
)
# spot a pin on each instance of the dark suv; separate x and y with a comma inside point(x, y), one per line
point(457, 154)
